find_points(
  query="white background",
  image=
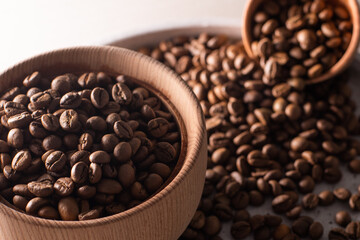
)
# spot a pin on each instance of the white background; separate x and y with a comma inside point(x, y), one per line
point(30, 27)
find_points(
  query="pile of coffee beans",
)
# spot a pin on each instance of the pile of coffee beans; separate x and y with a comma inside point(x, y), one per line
point(84, 147)
point(266, 141)
point(295, 38)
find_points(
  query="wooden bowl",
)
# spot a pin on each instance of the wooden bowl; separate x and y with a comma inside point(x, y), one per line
point(353, 8)
point(166, 214)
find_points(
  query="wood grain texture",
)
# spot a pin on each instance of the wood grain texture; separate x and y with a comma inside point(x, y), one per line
point(165, 215)
point(344, 62)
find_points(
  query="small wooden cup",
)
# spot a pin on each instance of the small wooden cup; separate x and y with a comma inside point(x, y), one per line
point(352, 7)
point(166, 214)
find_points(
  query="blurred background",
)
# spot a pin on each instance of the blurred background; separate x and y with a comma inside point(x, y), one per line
point(32, 27)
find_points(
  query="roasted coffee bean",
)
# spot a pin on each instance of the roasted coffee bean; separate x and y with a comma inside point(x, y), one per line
point(15, 138)
point(108, 186)
point(99, 97)
point(79, 172)
point(326, 198)
point(282, 203)
point(70, 100)
point(69, 120)
point(316, 230)
point(123, 130)
point(337, 234)
point(35, 204)
point(153, 182)
point(19, 120)
point(310, 201)
point(342, 194)
point(48, 212)
point(212, 226)
point(91, 214)
point(50, 122)
point(240, 230)
point(68, 209)
point(20, 202)
point(86, 192)
point(21, 160)
point(40, 189)
point(99, 157)
point(96, 123)
point(37, 130)
point(342, 218)
point(79, 156)
point(121, 94)
point(353, 230)
point(122, 151)
point(302, 225)
point(32, 80)
point(165, 152)
point(126, 175)
point(158, 127)
point(55, 161)
point(354, 202)
point(64, 186)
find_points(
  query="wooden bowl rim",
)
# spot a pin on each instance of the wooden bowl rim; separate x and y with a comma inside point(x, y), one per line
point(340, 65)
point(198, 128)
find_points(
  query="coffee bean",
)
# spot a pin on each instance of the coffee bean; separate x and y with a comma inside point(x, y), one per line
point(50, 122)
point(153, 182)
point(64, 186)
point(108, 186)
point(121, 94)
point(40, 189)
point(342, 194)
point(21, 160)
point(99, 157)
point(282, 203)
point(123, 130)
point(32, 80)
point(40, 100)
point(342, 218)
point(79, 156)
point(19, 120)
point(86, 192)
point(99, 97)
point(69, 120)
point(48, 212)
point(68, 209)
point(79, 172)
point(70, 100)
point(240, 230)
point(55, 161)
point(354, 202)
point(326, 198)
point(310, 201)
point(353, 230)
point(337, 233)
point(91, 214)
point(122, 151)
point(126, 175)
point(165, 152)
point(316, 230)
point(20, 202)
point(35, 204)
point(302, 225)
point(15, 138)
point(158, 127)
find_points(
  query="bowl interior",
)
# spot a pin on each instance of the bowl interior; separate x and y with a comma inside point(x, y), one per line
point(353, 8)
point(75, 60)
